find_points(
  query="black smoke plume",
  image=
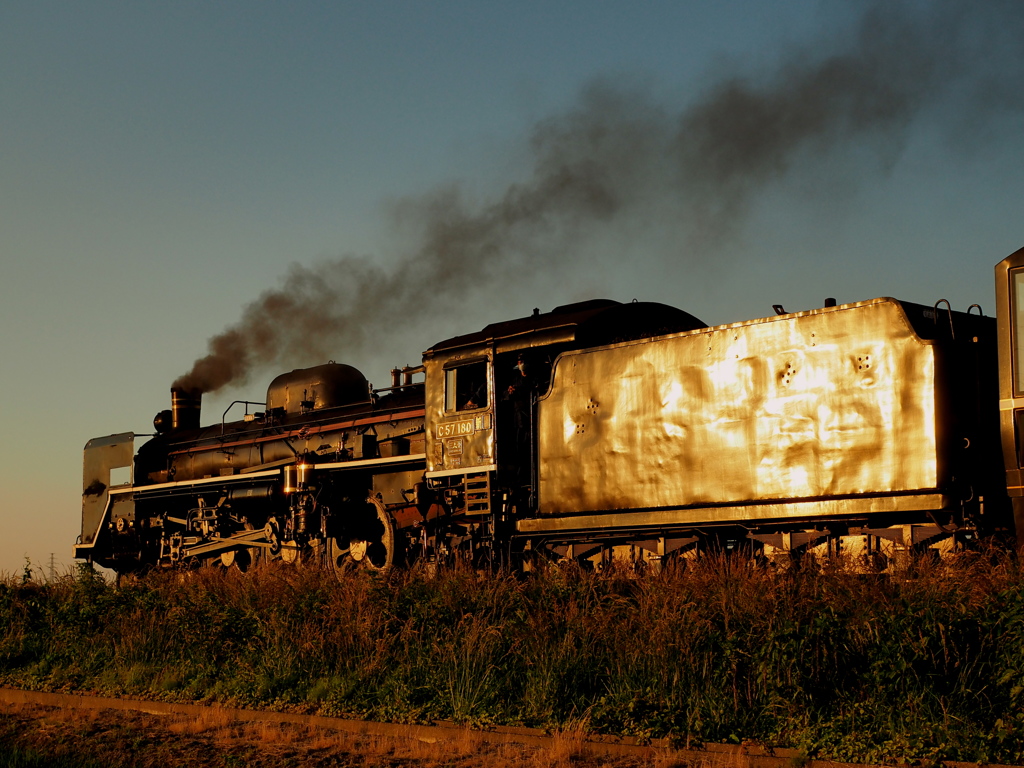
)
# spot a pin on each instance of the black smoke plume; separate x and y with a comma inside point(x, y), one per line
point(618, 152)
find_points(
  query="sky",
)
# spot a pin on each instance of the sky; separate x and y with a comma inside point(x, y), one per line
point(356, 181)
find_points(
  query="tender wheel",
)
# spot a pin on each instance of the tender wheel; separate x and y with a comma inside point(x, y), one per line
point(368, 541)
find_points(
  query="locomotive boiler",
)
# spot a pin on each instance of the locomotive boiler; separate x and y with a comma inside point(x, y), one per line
point(595, 431)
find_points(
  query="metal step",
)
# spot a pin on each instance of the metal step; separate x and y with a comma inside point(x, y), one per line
point(476, 490)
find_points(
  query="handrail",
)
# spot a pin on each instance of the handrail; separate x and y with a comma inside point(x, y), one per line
point(949, 313)
point(247, 403)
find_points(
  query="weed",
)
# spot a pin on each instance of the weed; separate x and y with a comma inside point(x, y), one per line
point(926, 663)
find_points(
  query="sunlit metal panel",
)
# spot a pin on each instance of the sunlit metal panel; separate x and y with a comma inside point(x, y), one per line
point(832, 402)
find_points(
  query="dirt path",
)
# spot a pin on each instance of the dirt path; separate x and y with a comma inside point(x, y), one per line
point(64, 730)
point(129, 739)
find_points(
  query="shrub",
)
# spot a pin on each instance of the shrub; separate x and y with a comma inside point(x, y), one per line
point(923, 663)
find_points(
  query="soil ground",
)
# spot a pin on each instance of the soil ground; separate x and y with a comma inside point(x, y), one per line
point(43, 735)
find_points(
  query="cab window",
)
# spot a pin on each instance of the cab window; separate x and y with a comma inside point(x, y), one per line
point(465, 387)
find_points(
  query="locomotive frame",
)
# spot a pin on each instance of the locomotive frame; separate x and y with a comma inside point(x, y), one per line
point(598, 431)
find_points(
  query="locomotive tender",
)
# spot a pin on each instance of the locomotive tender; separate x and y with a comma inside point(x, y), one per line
point(598, 430)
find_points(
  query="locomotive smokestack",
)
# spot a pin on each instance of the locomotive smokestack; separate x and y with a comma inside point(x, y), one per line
point(185, 407)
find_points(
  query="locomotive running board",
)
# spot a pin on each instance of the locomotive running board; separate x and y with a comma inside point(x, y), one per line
point(411, 458)
point(245, 477)
point(827, 509)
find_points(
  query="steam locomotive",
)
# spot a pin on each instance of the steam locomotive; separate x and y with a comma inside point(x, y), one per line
point(593, 432)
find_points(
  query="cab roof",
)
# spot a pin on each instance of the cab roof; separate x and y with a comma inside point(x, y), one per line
point(593, 322)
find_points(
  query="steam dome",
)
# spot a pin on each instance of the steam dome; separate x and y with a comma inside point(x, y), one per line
point(322, 386)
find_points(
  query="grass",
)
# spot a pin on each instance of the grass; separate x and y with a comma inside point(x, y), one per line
point(925, 663)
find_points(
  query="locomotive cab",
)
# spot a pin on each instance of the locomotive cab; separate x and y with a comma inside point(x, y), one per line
point(482, 390)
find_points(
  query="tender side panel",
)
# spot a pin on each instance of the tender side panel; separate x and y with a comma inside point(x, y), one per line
point(827, 403)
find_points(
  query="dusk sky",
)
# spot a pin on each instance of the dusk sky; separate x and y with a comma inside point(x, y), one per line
point(416, 170)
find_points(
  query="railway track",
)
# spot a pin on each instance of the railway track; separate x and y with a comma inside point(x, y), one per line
point(657, 751)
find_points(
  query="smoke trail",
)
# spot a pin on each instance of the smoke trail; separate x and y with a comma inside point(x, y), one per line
point(618, 151)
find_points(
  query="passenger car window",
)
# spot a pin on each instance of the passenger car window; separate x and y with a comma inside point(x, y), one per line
point(465, 387)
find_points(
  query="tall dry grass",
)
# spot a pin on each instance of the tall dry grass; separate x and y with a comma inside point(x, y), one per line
point(927, 662)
